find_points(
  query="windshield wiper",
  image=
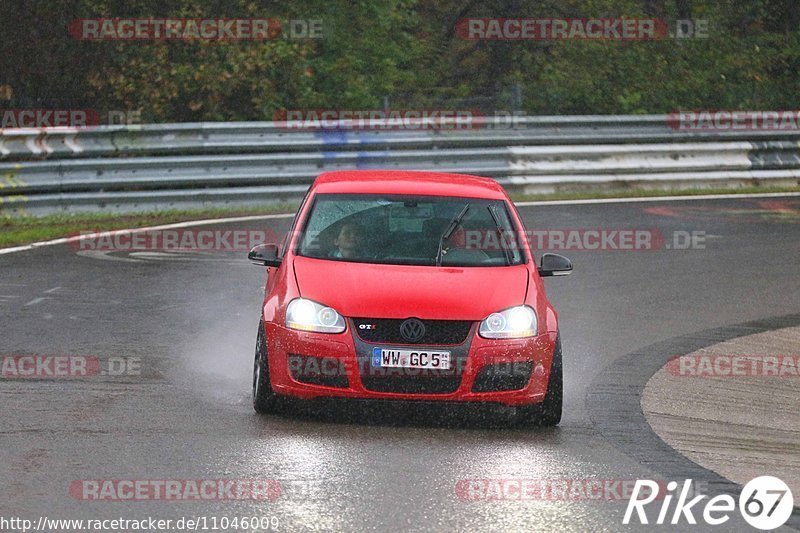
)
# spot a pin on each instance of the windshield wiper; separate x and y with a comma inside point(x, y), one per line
point(448, 232)
point(493, 212)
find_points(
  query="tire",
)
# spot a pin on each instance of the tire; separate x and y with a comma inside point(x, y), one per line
point(547, 413)
point(264, 398)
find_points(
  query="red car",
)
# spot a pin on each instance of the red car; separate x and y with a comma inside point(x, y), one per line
point(409, 286)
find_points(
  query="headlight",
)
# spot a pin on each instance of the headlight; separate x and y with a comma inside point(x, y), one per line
point(306, 315)
point(512, 323)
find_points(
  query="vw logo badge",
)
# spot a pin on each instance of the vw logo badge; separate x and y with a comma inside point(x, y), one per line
point(412, 330)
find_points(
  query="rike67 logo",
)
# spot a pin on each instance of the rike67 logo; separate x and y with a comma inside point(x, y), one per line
point(765, 503)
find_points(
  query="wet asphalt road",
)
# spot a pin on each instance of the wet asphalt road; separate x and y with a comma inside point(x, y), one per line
point(190, 320)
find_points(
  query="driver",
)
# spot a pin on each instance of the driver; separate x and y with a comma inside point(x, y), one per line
point(349, 241)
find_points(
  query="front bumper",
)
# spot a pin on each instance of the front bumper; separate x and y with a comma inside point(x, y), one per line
point(316, 365)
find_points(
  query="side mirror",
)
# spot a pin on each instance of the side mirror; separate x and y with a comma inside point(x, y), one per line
point(265, 254)
point(554, 265)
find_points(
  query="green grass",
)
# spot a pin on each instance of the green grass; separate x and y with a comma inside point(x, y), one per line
point(24, 229)
point(640, 193)
point(17, 230)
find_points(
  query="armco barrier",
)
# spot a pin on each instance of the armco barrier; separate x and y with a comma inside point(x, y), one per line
point(124, 168)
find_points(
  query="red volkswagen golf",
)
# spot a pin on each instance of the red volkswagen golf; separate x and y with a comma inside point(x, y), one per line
point(409, 286)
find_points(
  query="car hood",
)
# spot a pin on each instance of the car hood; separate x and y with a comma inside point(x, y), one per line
point(400, 291)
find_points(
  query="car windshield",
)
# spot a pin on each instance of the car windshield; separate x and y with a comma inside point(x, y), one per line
point(410, 230)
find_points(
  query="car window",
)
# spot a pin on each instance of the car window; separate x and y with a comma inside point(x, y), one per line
point(395, 229)
point(288, 237)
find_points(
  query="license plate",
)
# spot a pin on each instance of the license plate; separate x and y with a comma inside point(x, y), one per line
point(425, 359)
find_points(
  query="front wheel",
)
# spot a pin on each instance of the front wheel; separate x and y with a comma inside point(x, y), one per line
point(547, 413)
point(264, 398)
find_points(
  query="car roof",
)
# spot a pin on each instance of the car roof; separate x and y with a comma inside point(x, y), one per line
point(408, 182)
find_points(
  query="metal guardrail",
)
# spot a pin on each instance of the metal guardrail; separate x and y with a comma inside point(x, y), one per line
point(187, 165)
